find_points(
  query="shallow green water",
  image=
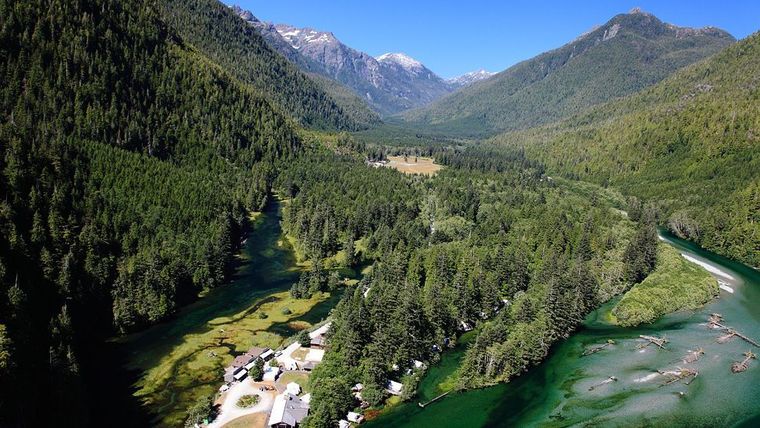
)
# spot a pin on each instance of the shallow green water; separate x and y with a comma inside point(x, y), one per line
point(556, 393)
point(265, 268)
point(318, 313)
point(179, 345)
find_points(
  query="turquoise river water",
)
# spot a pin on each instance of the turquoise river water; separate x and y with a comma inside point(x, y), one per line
point(557, 392)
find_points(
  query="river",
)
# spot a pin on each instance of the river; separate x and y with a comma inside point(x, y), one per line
point(165, 368)
point(556, 393)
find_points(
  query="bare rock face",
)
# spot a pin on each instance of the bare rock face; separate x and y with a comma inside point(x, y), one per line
point(341, 62)
point(390, 83)
point(611, 32)
point(277, 42)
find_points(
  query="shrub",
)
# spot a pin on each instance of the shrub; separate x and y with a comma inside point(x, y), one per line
point(247, 401)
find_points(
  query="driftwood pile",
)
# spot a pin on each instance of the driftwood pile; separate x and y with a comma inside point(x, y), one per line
point(716, 321)
point(740, 366)
point(693, 356)
point(681, 374)
point(653, 340)
point(730, 333)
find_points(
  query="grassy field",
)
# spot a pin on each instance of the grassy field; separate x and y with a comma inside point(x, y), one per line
point(334, 262)
point(675, 285)
point(194, 368)
point(299, 378)
point(300, 354)
point(247, 421)
point(301, 259)
point(425, 166)
point(178, 362)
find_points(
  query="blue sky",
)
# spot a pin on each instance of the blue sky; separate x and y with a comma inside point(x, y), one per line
point(454, 37)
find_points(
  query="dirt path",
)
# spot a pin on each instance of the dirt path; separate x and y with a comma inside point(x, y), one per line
point(286, 359)
point(230, 411)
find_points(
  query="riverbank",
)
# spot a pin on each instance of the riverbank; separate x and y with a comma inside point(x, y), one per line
point(182, 360)
point(675, 285)
point(193, 368)
point(556, 393)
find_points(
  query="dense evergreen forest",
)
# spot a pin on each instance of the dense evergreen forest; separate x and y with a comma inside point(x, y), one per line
point(489, 242)
point(689, 143)
point(129, 162)
point(138, 136)
point(219, 33)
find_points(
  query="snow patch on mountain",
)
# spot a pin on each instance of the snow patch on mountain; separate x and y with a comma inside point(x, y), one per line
point(405, 61)
point(290, 34)
point(390, 83)
point(469, 78)
point(298, 37)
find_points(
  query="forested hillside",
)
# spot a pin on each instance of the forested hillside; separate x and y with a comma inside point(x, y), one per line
point(128, 164)
point(221, 35)
point(138, 136)
point(626, 54)
point(489, 241)
point(691, 143)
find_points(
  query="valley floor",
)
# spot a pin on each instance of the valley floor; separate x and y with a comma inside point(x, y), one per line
point(183, 360)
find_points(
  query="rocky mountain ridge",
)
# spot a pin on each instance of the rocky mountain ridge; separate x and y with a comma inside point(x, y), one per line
point(389, 83)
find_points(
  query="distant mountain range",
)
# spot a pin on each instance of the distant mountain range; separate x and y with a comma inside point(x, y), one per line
point(390, 83)
point(218, 33)
point(628, 53)
point(468, 79)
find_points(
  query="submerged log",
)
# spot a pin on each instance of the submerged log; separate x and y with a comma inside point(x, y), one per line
point(740, 366)
point(596, 349)
point(659, 341)
point(606, 381)
point(715, 321)
point(725, 338)
point(680, 374)
point(747, 339)
point(693, 356)
point(730, 332)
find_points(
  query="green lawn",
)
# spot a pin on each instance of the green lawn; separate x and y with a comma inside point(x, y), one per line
point(247, 421)
point(299, 378)
point(300, 354)
point(675, 284)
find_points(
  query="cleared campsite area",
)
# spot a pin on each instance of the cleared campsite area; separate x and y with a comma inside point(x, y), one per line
point(413, 165)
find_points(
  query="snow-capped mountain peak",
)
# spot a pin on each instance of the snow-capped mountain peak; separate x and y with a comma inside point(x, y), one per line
point(470, 78)
point(390, 83)
point(401, 59)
